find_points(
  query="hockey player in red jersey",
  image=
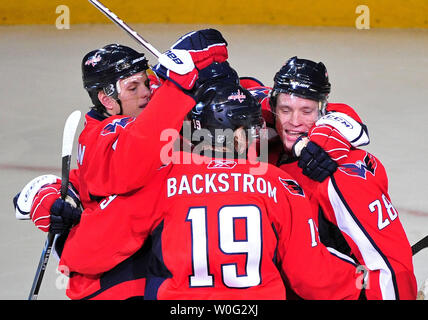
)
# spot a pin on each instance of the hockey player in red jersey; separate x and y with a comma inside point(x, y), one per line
point(123, 121)
point(218, 231)
point(119, 124)
point(356, 215)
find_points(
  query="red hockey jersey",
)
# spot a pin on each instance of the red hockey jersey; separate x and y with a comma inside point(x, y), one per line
point(119, 154)
point(218, 231)
point(116, 155)
point(356, 200)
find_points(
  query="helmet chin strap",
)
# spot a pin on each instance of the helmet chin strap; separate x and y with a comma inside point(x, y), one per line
point(116, 97)
point(120, 106)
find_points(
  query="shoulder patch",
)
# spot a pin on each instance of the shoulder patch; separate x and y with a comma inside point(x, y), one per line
point(260, 93)
point(111, 127)
point(292, 186)
point(360, 168)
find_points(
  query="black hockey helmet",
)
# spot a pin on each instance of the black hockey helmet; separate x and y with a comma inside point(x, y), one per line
point(303, 78)
point(102, 68)
point(225, 105)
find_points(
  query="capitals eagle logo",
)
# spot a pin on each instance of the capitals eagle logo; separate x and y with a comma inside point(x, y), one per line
point(111, 127)
point(360, 168)
point(292, 186)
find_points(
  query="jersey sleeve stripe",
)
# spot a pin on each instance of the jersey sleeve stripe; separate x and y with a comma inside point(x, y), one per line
point(372, 255)
point(341, 256)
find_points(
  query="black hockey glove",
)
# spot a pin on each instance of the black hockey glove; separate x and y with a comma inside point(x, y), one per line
point(316, 163)
point(63, 216)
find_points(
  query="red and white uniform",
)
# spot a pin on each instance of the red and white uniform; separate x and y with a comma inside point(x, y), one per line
point(219, 231)
point(355, 199)
point(131, 148)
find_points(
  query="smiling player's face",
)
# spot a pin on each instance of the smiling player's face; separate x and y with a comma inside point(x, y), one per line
point(294, 117)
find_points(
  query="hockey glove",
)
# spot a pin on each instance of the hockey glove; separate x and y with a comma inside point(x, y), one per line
point(191, 53)
point(48, 204)
point(37, 197)
point(63, 216)
point(23, 201)
point(345, 120)
point(331, 140)
point(334, 134)
point(322, 151)
point(315, 162)
point(337, 132)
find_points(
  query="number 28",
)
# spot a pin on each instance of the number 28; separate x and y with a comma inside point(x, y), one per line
point(391, 211)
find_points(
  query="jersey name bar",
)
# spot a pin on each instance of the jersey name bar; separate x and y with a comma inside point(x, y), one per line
point(218, 183)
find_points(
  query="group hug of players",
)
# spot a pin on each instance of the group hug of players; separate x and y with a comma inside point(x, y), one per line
point(310, 219)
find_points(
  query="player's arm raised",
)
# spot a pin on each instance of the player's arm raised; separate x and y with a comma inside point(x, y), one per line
point(137, 153)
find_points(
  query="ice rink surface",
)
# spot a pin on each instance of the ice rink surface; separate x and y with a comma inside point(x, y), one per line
point(382, 73)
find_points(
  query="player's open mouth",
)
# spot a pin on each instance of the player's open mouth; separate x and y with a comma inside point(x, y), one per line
point(295, 134)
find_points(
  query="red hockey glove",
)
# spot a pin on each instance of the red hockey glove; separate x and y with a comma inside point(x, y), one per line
point(343, 118)
point(331, 141)
point(321, 151)
point(23, 201)
point(39, 196)
point(191, 53)
point(42, 203)
point(50, 213)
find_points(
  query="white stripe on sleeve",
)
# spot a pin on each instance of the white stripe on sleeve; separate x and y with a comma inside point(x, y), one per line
point(373, 259)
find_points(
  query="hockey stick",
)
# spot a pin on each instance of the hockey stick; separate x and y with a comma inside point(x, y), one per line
point(421, 244)
point(125, 27)
point(67, 146)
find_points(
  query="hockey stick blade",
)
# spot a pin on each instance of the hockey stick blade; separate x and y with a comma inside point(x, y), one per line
point(113, 17)
point(421, 244)
point(67, 146)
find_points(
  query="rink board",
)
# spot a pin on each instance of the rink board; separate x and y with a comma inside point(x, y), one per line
point(380, 13)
